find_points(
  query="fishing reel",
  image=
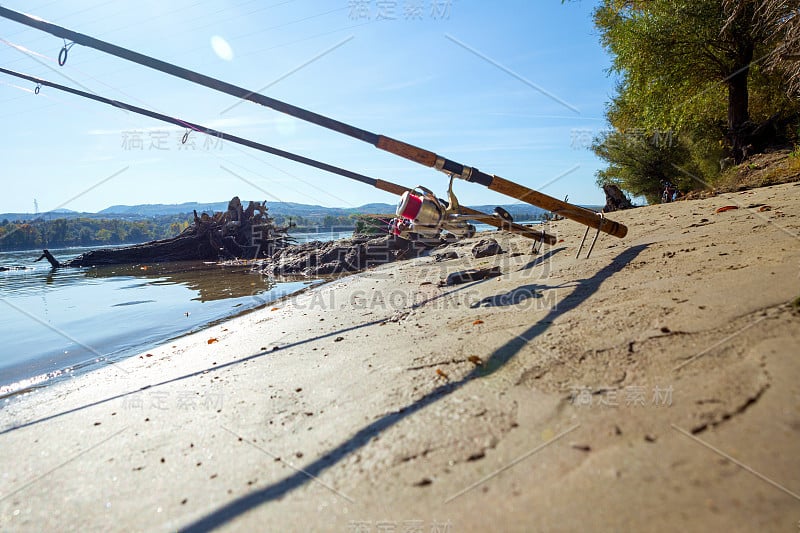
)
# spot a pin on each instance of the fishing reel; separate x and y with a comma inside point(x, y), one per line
point(420, 211)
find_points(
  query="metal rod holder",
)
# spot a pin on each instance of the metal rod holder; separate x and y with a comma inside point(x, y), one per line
point(594, 241)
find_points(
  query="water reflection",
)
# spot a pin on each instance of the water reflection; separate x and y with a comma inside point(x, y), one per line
point(211, 281)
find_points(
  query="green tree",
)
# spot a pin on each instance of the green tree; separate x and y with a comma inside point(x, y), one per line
point(681, 62)
point(84, 236)
point(778, 23)
point(55, 232)
point(711, 75)
point(139, 232)
point(366, 225)
point(103, 236)
point(118, 232)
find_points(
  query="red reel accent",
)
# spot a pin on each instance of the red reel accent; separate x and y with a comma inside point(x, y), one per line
point(409, 205)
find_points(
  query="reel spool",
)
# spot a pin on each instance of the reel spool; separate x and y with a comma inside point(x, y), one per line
point(420, 211)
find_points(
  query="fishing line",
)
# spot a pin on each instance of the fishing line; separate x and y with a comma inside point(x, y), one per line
point(266, 193)
point(71, 14)
point(55, 101)
point(37, 8)
point(238, 55)
point(247, 54)
point(187, 125)
point(134, 25)
point(262, 50)
point(33, 55)
point(238, 17)
point(211, 132)
point(25, 50)
point(37, 54)
point(196, 49)
point(19, 87)
point(279, 26)
point(437, 217)
point(289, 174)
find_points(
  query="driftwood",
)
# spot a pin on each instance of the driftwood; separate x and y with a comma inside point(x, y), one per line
point(233, 234)
point(615, 199)
point(348, 255)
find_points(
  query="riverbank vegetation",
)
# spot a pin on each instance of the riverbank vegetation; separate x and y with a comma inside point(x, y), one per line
point(62, 232)
point(44, 232)
point(702, 87)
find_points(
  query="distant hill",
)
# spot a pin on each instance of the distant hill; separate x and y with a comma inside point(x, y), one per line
point(294, 209)
point(377, 208)
point(275, 208)
point(162, 209)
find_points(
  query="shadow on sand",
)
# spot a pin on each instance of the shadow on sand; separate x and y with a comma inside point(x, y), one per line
point(502, 355)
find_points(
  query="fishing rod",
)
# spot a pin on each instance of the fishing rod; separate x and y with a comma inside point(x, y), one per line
point(388, 144)
point(431, 217)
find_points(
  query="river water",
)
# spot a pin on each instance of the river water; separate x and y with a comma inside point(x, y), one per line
point(56, 323)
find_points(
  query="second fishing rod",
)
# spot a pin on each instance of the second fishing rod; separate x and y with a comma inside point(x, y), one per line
point(419, 211)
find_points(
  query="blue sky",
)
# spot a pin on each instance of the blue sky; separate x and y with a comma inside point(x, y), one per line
point(516, 89)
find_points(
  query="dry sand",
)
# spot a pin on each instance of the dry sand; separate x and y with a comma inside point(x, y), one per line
point(653, 386)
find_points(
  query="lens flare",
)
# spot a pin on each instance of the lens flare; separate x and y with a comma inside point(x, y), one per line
point(221, 48)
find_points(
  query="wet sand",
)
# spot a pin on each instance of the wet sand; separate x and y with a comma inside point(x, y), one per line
point(653, 386)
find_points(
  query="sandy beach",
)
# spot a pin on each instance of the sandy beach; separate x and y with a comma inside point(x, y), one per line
point(653, 386)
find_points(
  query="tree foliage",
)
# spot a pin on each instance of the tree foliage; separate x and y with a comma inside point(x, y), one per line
point(714, 74)
point(369, 225)
point(641, 164)
point(84, 231)
point(778, 22)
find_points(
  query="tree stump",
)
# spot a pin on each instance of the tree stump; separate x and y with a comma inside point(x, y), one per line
point(615, 199)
